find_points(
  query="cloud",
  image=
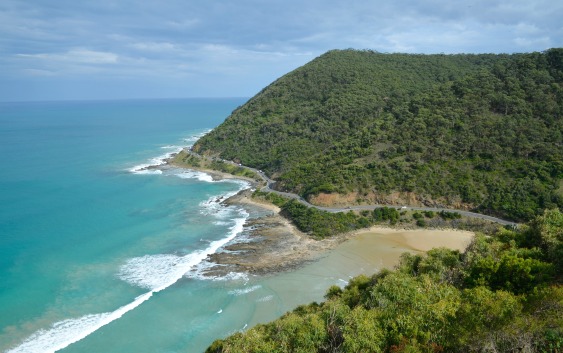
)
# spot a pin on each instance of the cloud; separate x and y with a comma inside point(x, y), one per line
point(81, 56)
point(183, 24)
point(203, 44)
point(155, 46)
point(532, 42)
point(37, 72)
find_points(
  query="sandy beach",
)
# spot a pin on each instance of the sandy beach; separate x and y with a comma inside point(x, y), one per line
point(274, 245)
point(379, 247)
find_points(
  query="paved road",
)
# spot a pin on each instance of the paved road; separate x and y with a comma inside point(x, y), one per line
point(269, 184)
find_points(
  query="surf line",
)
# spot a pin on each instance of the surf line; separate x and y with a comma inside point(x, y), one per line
point(66, 332)
point(150, 167)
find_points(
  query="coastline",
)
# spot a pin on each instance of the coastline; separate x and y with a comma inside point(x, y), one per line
point(215, 174)
point(271, 243)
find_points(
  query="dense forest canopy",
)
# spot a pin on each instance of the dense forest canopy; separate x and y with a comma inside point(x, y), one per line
point(482, 132)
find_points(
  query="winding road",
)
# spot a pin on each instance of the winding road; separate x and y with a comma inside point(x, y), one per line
point(269, 183)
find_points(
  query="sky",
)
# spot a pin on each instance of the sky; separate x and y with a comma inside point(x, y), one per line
point(125, 49)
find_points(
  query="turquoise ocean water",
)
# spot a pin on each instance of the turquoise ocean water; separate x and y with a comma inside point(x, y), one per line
point(98, 255)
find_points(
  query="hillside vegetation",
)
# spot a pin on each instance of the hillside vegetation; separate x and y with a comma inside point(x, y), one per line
point(503, 294)
point(321, 224)
point(481, 132)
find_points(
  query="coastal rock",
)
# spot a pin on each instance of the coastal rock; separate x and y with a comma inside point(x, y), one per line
point(270, 244)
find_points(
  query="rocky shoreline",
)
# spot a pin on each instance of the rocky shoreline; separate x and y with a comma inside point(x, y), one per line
point(268, 244)
point(271, 244)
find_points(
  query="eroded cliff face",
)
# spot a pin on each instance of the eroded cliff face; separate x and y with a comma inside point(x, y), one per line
point(392, 199)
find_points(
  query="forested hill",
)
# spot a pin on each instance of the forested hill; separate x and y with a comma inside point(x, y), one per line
point(482, 132)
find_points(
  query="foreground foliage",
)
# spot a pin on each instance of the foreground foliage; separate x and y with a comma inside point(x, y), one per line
point(503, 294)
point(483, 131)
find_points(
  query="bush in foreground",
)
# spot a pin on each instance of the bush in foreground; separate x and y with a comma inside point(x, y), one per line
point(503, 294)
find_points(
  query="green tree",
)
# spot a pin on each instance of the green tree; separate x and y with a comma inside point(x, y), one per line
point(481, 315)
point(546, 232)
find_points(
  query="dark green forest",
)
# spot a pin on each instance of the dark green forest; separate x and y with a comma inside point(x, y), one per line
point(503, 294)
point(481, 132)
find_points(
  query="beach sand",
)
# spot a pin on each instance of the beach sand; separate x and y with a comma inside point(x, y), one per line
point(376, 248)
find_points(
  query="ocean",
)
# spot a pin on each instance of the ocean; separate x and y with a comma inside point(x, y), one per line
point(98, 254)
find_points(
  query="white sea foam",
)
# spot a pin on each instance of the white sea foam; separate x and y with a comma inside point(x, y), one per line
point(64, 333)
point(148, 168)
point(242, 183)
point(202, 176)
point(191, 139)
point(156, 272)
point(145, 169)
point(214, 207)
point(265, 299)
point(234, 276)
point(243, 291)
point(200, 272)
point(192, 174)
